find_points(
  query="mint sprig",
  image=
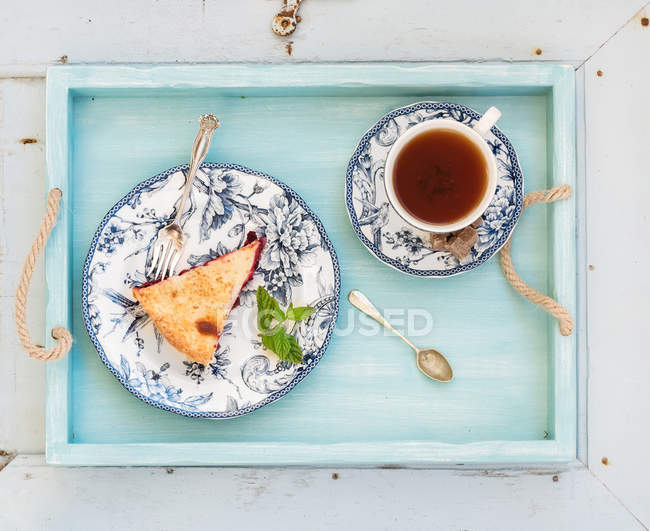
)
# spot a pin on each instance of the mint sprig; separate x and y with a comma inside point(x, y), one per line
point(275, 338)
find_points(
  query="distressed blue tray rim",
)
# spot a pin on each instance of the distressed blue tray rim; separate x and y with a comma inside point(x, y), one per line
point(559, 80)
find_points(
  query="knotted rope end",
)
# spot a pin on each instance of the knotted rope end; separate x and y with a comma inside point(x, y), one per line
point(63, 337)
point(566, 327)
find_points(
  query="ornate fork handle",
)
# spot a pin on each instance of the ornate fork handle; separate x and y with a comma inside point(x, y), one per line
point(208, 123)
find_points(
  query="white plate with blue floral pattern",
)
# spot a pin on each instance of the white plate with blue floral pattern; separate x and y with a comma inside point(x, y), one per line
point(386, 235)
point(298, 265)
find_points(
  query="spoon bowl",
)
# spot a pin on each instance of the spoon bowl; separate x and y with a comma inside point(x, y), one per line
point(434, 365)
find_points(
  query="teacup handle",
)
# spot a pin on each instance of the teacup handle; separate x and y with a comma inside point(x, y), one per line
point(489, 118)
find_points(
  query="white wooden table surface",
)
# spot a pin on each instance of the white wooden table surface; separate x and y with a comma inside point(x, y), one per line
point(610, 48)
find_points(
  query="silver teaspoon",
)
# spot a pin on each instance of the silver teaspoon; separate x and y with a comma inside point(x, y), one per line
point(429, 360)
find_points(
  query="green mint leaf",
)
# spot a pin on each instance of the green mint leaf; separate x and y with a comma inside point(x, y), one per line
point(266, 301)
point(267, 309)
point(284, 345)
point(267, 341)
point(264, 319)
point(269, 337)
point(299, 313)
point(295, 352)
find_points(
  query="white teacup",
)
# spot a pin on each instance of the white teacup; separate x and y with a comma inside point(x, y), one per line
point(477, 136)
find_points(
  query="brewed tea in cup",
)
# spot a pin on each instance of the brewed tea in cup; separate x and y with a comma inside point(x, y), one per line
point(441, 175)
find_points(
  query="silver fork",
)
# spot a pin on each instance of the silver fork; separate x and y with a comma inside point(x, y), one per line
point(170, 239)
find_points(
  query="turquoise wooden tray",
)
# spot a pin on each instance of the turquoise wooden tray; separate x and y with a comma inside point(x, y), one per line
point(513, 399)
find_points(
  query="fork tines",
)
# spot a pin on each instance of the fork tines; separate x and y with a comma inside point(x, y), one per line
point(164, 260)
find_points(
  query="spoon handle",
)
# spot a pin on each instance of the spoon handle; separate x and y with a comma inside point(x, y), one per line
point(361, 302)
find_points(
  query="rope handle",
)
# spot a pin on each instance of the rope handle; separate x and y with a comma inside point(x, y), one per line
point(63, 337)
point(536, 297)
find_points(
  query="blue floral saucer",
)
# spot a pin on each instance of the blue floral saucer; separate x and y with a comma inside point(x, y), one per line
point(387, 235)
point(298, 265)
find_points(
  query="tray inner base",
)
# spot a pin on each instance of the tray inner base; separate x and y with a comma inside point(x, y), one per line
point(365, 388)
